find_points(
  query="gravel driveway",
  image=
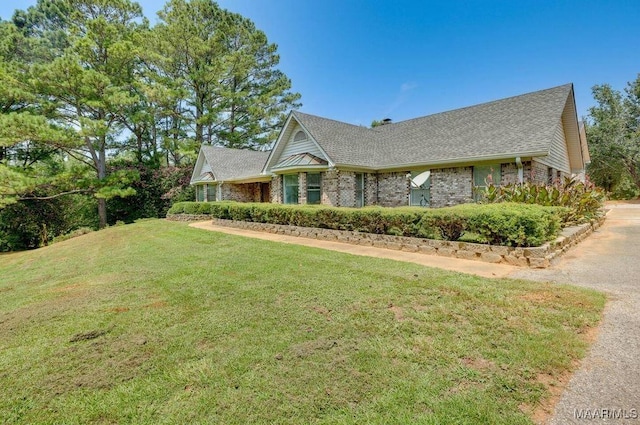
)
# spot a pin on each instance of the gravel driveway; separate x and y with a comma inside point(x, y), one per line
point(606, 389)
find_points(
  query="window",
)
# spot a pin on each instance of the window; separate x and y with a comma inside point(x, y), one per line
point(420, 188)
point(200, 193)
point(211, 192)
point(359, 190)
point(483, 176)
point(290, 188)
point(299, 136)
point(313, 188)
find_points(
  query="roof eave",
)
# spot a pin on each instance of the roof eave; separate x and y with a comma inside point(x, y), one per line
point(299, 168)
point(249, 179)
point(451, 161)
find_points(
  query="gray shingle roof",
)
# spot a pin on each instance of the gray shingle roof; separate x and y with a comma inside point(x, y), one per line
point(509, 127)
point(232, 164)
point(344, 143)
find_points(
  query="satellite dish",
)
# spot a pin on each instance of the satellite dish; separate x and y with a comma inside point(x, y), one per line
point(420, 179)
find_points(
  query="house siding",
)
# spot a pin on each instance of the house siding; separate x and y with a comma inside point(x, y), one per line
point(451, 186)
point(303, 146)
point(558, 157)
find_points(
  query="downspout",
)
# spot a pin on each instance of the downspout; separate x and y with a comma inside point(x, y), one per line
point(520, 170)
point(219, 191)
point(408, 177)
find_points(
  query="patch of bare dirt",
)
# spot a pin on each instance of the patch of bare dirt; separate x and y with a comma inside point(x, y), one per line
point(556, 384)
point(85, 336)
point(308, 348)
point(68, 288)
point(323, 311)
point(119, 309)
point(397, 311)
point(40, 312)
point(101, 363)
point(539, 297)
point(478, 363)
point(157, 304)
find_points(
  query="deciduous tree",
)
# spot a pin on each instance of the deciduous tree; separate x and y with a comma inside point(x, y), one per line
point(614, 136)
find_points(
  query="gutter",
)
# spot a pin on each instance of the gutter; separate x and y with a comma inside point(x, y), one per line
point(449, 162)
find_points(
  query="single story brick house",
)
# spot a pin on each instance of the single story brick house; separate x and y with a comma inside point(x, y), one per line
point(435, 160)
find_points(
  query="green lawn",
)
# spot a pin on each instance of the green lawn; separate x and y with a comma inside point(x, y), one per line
point(157, 322)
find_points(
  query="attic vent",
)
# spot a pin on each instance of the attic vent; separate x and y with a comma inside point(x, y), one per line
point(300, 136)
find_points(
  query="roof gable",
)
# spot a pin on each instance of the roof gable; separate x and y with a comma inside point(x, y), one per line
point(225, 164)
point(287, 147)
point(202, 171)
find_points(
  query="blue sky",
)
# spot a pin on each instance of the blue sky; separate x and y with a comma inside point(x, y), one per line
point(359, 60)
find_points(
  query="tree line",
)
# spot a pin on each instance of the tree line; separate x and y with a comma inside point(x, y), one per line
point(613, 135)
point(93, 99)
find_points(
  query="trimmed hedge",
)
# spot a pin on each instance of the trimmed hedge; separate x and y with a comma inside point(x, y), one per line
point(508, 224)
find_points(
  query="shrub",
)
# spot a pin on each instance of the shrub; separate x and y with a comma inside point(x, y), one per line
point(583, 200)
point(450, 225)
point(156, 188)
point(74, 234)
point(508, 224)
point(402, 221)
point(30, 224)
point(513, 224)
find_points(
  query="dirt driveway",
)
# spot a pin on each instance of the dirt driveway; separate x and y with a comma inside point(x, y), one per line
point(606, 389)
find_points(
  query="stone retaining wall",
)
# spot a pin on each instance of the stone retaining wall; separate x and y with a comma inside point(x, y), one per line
point(188, 217)
point(538, 257)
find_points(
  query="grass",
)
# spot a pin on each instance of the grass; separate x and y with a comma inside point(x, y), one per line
point(156, 322)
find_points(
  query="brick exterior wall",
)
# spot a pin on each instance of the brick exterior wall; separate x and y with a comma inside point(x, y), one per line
point(536, 172)
point(451, 186)
point(508, 174)
point(370, 189)
point(276, 189)
point(302, 188)
point(248, 192)
point(533, 171)
point(346, 189)
point(329, 188)
point(393, 189)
